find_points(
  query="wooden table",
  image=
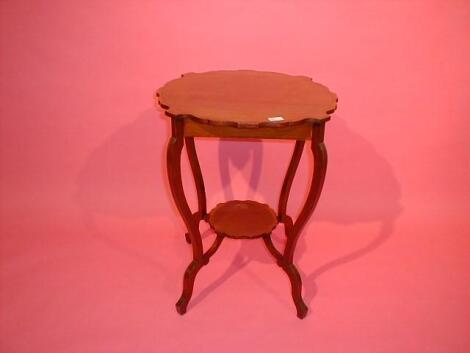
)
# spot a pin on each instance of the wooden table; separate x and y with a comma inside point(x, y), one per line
point(245, 104)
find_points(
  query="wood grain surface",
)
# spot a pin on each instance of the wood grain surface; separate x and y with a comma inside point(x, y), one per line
point(243, 219)
point(247, 98)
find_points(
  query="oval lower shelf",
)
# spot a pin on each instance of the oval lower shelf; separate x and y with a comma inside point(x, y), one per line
point(243, 219)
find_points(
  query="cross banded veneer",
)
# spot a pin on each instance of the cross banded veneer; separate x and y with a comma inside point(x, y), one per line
point(245, 104)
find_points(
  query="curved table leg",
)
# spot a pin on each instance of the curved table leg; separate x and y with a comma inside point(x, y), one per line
point(294, 277)
point(296, 289)
point(316, 185)
point(175, 146)
point(293, 229)
point(197, 174)
point(288, 179)
point(198, 181)
point(188, 285)
point(190, 275)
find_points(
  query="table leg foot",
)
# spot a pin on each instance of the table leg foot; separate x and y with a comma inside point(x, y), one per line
point(302, 309)
point(188, 285)
point(181, 305)
point(296, 286)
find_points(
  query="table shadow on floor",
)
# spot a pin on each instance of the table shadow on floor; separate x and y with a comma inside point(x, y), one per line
point(125, 177)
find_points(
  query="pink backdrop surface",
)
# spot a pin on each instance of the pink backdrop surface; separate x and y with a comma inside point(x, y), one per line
point(92, 250)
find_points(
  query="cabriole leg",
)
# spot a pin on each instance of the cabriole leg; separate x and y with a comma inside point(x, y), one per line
point(293, 229)
point(175, 146)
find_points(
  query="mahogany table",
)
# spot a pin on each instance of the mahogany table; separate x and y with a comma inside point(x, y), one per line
point(245, 104)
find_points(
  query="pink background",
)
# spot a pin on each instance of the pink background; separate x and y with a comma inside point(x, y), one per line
point(92, 250)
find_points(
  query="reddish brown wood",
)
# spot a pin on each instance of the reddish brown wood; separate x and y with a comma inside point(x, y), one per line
point(197, 174)
point(197, 218)
point(188, 285)
point(301, 131)
point(272, 249)
point(243, 219)
point(190, 275)
point(247, 98)
point(289, 178)
point(316, 185)
point(175, 146)
point(236, 104)
point(296, 288)
point(292, 273)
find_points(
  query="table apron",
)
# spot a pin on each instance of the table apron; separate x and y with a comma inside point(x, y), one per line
point(294, 132)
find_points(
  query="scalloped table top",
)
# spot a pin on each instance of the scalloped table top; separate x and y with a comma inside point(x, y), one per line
point(247, 98)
